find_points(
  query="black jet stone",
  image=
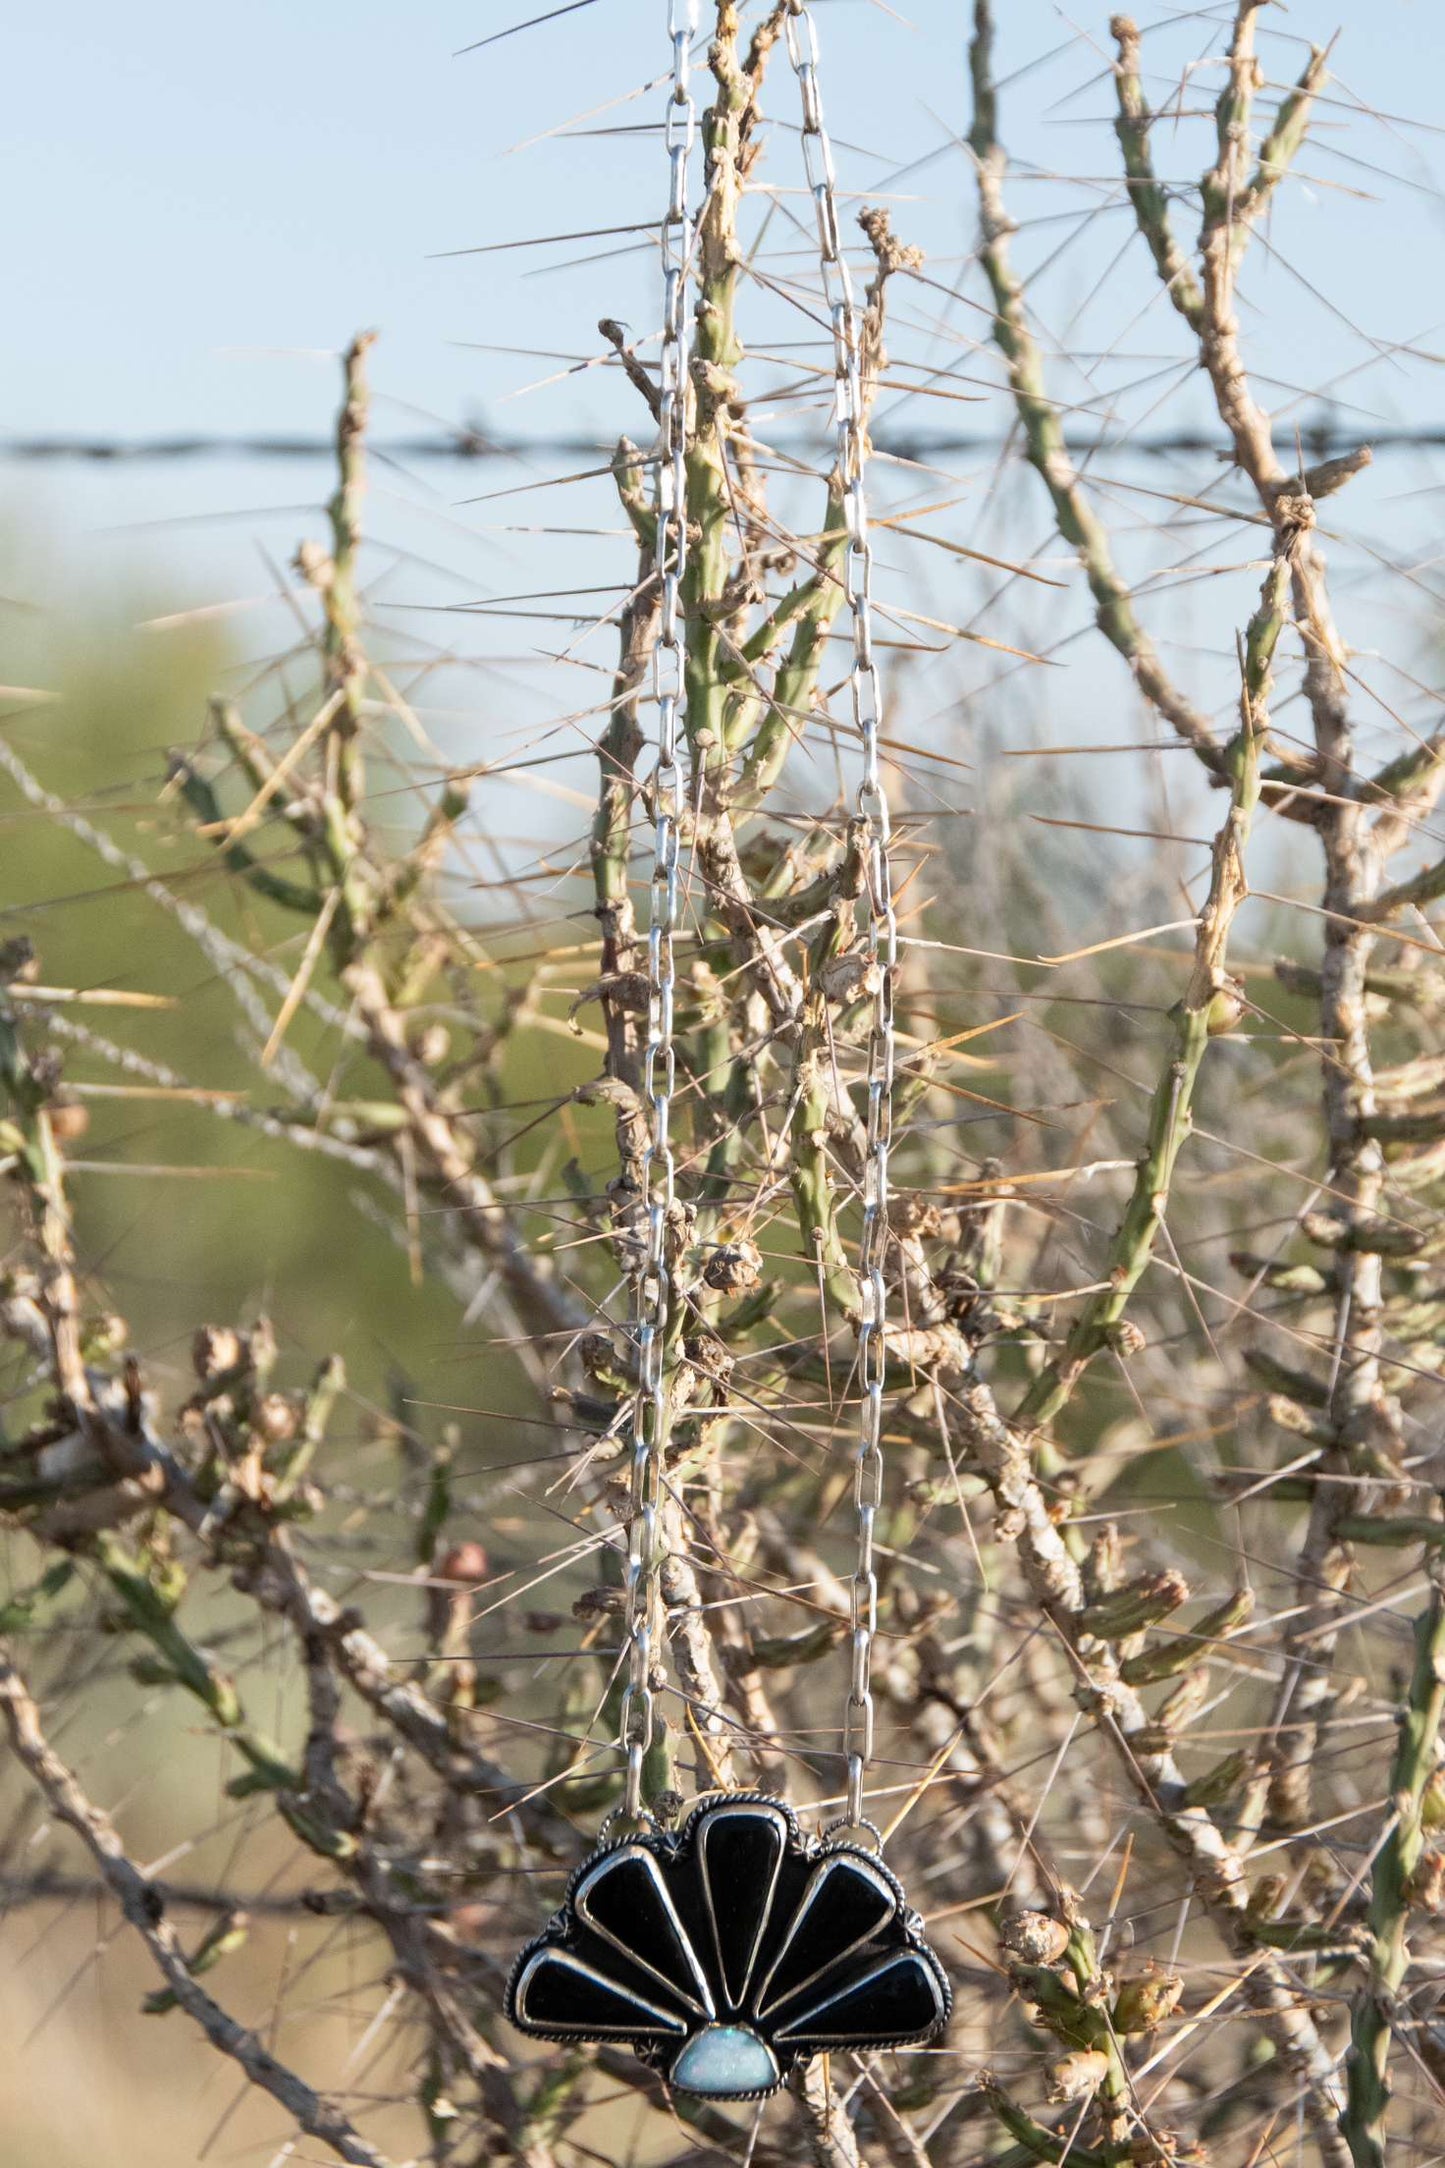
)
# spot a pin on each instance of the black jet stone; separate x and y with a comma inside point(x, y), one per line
point(727, 1952)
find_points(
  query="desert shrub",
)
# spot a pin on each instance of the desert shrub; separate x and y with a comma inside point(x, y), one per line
point(1159, 1663)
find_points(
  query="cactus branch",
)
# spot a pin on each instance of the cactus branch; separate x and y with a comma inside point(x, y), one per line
point(1367, 2077)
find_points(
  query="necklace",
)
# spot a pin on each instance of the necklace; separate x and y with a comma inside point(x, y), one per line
point(737, 1947)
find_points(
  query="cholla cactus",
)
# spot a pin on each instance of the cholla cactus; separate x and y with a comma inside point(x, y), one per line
point(1116, 1753)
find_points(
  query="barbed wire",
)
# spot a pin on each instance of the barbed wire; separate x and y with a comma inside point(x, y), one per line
point(1321, 439)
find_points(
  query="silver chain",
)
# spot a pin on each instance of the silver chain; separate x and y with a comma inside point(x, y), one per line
point(653, 1291)
point(652, 1299)
point(872, 805)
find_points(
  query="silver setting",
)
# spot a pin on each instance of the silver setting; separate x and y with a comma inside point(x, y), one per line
point(652, 1292)
point(865, 693)
point(830, 1865)
point(738, 1995)
point(809, 2029)
point(702, 2002)
point(667, 2023)
point(705, 1963)
point(870, 1981)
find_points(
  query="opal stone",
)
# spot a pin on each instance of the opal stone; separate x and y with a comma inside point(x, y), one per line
point(725, 2061)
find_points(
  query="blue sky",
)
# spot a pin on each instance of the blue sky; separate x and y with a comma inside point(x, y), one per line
point(199, 196)
point(205, 203)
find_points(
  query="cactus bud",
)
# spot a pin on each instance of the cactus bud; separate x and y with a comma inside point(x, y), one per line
point(1425, 1889)
point(1139, 1603)
point(1226, 1008)
point(1034, 1937)
point(1179, 1654)
point(1267, 1896)
point(1143, 2003)
point(850, 977)
point(1219, 1783)
point(278, 1419)
point(1104, 1566)
point(735, 1268)
point(1332, 474)
point(1075, 2075)
point(1187, 1699)
point(432, 1044)
point(215, 1350)
point(69, 1120)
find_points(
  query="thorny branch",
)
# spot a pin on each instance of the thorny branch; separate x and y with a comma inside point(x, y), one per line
point(1081, 1744)
point(144, 1908)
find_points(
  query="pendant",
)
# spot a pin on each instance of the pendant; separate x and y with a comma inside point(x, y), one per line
point(730, 1951)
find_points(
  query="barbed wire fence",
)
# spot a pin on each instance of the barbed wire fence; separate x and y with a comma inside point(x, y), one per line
point(1320, 438)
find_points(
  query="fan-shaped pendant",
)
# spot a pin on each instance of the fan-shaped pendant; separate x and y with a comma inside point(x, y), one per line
point(730, 1951)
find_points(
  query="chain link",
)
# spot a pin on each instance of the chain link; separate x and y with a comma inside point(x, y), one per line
point(872, 805)
point(653, 1290)
point(652, 1301)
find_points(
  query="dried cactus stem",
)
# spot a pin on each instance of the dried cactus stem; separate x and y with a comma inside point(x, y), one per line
point(339, 828)
point(346, 666)
point(618, 749)
point(1043, 430)
point(717, 352)
point(1150, 201)
point(274, 887)
point(812, 606)
point(1055, 1580)
point(151, 1612)
point(29, 1137)
point(1208, 1002)
point(143, 1907)
point(812, 1181)
point(1367, 2077)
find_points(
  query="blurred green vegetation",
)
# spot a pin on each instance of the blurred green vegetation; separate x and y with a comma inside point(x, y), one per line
point(243, 1224)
